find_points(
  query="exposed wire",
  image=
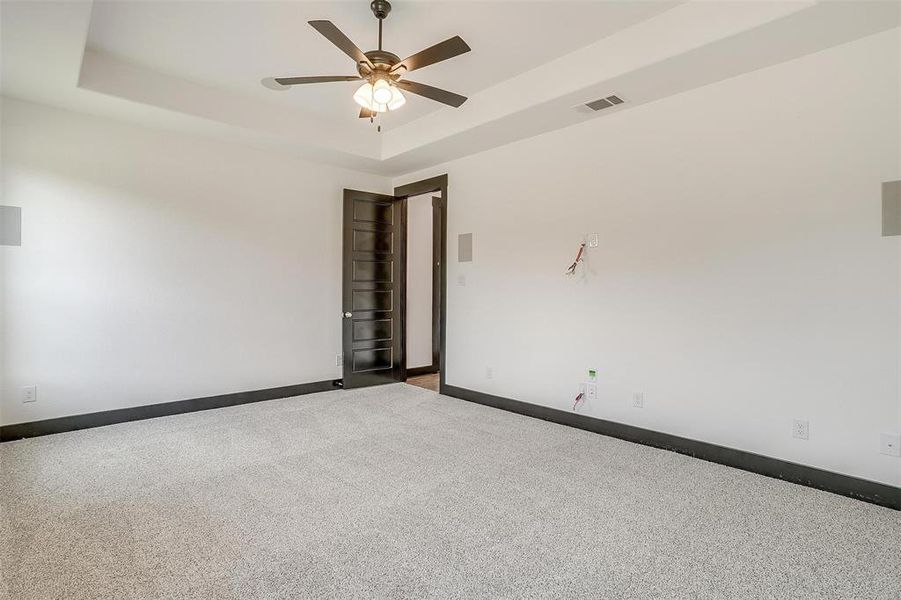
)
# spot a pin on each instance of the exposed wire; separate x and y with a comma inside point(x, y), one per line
point(579, 399)
point(572, 268)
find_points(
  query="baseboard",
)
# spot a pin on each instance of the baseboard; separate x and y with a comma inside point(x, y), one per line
point(426, 370)
point(845, 485)
point(137, 413)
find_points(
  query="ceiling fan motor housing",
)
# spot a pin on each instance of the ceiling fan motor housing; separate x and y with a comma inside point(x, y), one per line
point(380, 8)
point(382, 60)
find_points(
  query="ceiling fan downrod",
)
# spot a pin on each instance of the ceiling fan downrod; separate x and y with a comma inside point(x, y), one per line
point(381, 9)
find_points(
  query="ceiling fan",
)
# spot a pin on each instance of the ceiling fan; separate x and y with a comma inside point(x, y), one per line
point(382, 71)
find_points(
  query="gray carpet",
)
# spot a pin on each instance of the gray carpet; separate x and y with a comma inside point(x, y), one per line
point(397, 492)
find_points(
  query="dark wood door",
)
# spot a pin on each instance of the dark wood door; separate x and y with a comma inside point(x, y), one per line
point(374, 289)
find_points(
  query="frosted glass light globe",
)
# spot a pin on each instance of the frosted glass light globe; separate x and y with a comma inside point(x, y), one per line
point(381, 92)
point(363, 95)
point(397, 99)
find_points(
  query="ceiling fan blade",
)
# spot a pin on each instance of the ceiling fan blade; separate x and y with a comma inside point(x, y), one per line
point(433, 93)
point(323, 79)
point(334, 35)
point(450, 48)
point(365, 113)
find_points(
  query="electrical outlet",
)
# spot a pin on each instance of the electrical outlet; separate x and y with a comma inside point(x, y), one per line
point(591, 391)
point(461, 280)
point(30, 393)
point(339, 360)
point(801, 429)
point(890, 444)
point(592, 240)
point(489, 373)
point(638, 400)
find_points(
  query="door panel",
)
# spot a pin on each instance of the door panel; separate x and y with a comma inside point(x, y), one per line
point(373, 330)
point(374, 270)
point(373, 289)
point(372, 300)
point(373, 241)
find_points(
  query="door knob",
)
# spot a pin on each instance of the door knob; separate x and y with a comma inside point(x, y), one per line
point(348, 315)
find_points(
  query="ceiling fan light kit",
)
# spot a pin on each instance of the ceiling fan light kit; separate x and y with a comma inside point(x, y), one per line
point(379, 98)
point(381, 71)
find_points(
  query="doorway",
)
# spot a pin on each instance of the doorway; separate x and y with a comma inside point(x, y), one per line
point(425, 309)
point(376, 340)
point(423, 258)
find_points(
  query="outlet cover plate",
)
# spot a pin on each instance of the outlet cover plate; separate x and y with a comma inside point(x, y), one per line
point(638, 400)
point(30, 393)
point(801, 429)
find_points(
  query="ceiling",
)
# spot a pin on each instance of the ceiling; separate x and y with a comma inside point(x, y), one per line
point(232, 45)
point(196, 66)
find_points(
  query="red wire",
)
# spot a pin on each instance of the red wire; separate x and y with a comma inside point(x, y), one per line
point(572, 267)
point(578, 398)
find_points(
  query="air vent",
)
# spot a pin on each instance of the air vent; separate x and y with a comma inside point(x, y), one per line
point(604, 103)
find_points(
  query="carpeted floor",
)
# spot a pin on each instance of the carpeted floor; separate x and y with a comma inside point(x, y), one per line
point(397, 492)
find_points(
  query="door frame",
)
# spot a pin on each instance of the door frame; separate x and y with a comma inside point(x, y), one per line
point(439, 272)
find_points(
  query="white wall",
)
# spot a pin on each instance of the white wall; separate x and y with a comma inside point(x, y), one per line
point(741, 280)
point(158, 267)
point(419, 281)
